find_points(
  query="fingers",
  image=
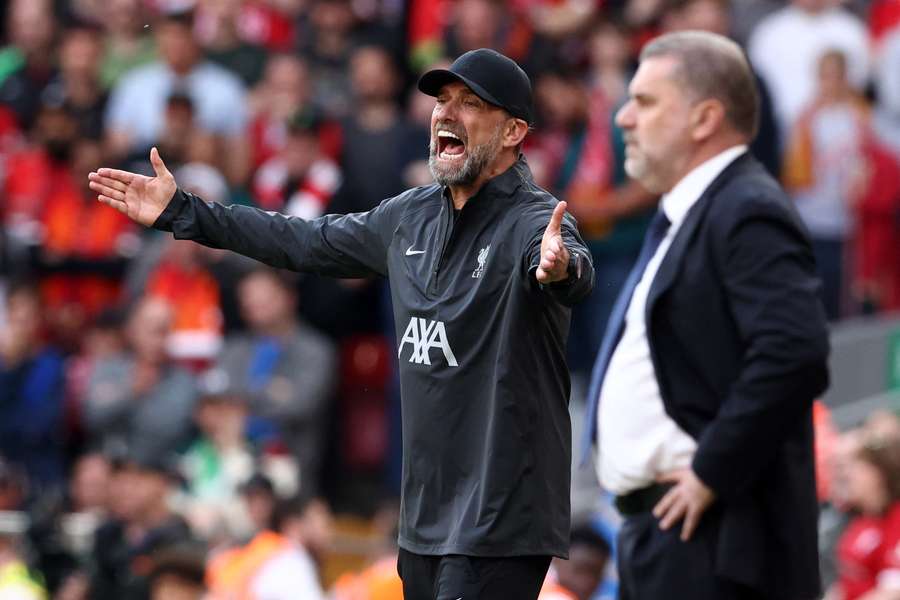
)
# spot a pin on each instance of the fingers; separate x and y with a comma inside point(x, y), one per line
point(691, 520)
point(116, 204)
point(159, 167)
point(108, 182)
point(105, 190)
point(556, 219)
point(673, 513)
point(122, 176)
point(665, 503)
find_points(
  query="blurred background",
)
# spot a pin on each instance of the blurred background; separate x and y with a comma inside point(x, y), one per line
point(182, 423)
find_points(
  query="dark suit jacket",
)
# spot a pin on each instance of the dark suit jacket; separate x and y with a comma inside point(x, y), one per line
point(739, 343)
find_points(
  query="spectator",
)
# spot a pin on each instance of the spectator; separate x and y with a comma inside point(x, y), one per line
point(13, 487)
point(299, 180)
point(136, 114)
point(218, 29)
point(285, 367)
point(285, 91)
point(127, 44)
point(824, 172)
point(786, 46)
point(715, 16)
point(584, 151)
point(17, 581)
point(868, 561)
point(182, 135)
point(259, 498)
point(126, 546)
point(219, 461)
point(887, 84)
point(85, 250)
point(33, 172)
point(89, 484)
point(884, 17)
point(378, 580)
point(139, 399)
point(78, 83)
point(327, 48)
point(31, 392)
point(26, 66)
point(178, 575)
point(226, 268)
point(181, 279)
point(488, 24)
point(589, 555)
point(274, 565)
point(609, 51)
point(379, 139)
point(101, 340)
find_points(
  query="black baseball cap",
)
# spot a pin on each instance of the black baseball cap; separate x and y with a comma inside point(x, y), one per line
point(493, 77)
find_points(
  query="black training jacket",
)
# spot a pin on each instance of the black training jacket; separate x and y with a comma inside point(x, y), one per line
point(481, 348)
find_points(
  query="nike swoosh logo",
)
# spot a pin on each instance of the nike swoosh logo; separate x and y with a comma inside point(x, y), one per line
point(411, 252)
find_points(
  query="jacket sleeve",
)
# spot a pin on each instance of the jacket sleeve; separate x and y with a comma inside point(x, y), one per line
point(768, 272)
point(353, 245)
point(581, 272)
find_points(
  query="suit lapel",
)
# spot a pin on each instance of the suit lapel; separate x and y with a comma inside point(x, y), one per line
point(671, 263)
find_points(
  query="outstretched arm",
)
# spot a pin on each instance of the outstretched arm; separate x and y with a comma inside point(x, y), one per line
point(352, 245)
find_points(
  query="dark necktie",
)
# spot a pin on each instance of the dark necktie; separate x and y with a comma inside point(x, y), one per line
point(656, 232)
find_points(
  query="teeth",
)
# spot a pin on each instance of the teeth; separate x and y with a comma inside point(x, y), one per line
point(447, 156)
point(447, 134)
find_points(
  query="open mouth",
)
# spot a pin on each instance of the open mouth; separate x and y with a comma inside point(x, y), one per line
point(449, 145)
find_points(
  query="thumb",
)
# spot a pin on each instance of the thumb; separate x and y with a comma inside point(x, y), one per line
point(159, 167)
point(556, 219)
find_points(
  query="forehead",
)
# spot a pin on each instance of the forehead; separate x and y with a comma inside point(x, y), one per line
point(654, 75)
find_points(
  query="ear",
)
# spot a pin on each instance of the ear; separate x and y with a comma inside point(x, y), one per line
point(707, 118)
point(514, 131)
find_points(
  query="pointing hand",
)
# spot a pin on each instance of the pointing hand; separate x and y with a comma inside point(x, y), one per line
point(554, 254)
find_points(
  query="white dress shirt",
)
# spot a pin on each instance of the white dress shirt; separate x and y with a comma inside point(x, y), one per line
point(637, 439)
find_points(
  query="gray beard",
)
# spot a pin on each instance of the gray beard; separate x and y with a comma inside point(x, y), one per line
point(477, 160)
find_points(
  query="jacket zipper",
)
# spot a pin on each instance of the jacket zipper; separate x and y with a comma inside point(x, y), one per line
point(447, 230)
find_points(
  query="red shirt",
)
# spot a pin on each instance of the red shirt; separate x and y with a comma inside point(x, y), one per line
point(869, 551)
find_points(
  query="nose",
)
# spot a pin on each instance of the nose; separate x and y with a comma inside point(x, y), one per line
point(444, 111)
point(625, 116)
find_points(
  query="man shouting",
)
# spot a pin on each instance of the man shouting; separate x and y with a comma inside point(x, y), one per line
point(483, 267)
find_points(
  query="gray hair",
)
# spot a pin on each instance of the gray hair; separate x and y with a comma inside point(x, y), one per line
point(712, 66)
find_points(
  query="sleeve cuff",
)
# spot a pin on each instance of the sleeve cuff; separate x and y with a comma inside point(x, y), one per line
point(166, 220)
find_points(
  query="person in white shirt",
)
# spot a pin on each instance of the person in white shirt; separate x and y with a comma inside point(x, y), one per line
point(701, 396)
point(785, 48)
point(135, 113)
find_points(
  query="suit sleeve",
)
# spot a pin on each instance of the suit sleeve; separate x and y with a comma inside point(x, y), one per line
point(353, 245)
point(768, 272)
point(581, 272)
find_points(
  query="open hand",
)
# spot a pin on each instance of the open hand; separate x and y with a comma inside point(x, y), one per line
point(688, 499)
point(142, 198)
point(554, 254)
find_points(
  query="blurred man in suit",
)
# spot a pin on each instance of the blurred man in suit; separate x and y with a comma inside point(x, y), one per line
point(701, 395)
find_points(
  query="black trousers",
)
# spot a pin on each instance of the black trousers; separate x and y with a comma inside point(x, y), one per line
point(656, 565)
point(456, 577)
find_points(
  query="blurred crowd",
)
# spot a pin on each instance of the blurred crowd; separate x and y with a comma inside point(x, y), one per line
point(181, 422)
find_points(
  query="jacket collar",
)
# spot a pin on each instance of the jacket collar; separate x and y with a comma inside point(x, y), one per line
point(503, 185)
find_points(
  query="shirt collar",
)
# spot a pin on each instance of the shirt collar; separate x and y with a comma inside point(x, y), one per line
point(686, 192)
